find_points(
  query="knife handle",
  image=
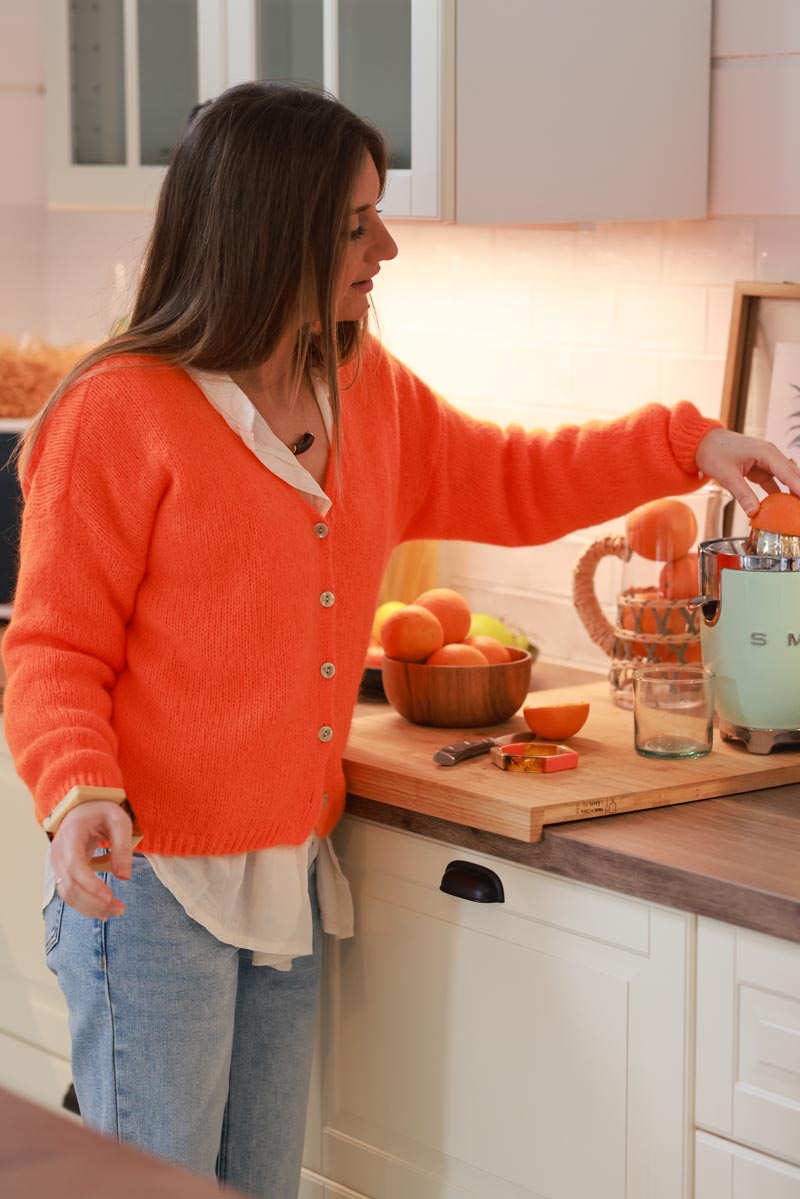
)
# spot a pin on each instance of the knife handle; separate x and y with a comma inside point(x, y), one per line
point(459, 751)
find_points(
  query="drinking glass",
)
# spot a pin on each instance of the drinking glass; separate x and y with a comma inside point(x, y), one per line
point(673, 711)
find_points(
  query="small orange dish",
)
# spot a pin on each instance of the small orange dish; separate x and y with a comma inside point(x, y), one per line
point(533, 757)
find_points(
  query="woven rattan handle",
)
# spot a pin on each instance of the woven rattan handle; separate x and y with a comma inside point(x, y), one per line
point(601, 631)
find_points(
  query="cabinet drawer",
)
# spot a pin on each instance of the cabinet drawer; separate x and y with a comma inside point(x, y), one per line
point(748, 1038)
point(726, 1171)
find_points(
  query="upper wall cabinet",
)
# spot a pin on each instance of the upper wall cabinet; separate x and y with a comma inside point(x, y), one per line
point(575, 110)
point(123, 76)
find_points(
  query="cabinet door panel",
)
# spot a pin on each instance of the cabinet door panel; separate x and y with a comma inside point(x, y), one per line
point(469, 1048)
point(748, 1038)
point(727, 1171)
point(582, 112)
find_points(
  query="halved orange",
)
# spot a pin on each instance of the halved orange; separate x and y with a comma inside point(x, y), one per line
point(778, 513)
point(556, 722)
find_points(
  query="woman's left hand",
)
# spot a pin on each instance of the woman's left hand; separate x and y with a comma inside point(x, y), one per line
point(732, 459)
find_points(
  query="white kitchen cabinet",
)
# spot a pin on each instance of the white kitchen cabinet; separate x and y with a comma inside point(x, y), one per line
point(538, 1047)
point(34, 1040)
point(726, 1171)
point(575, 111)
point(123, 76)
point(748, 1039)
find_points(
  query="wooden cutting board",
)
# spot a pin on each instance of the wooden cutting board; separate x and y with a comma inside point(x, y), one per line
point(390, 760)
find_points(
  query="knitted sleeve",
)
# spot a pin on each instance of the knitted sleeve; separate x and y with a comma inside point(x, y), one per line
point(91, 492)
point(468, 479)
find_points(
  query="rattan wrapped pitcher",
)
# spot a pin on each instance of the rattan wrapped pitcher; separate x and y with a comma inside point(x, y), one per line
point(649, 627)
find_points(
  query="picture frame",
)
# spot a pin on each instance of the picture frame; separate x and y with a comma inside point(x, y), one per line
point(761, 387)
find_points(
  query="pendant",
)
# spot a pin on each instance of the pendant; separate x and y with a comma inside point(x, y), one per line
point(302, 444)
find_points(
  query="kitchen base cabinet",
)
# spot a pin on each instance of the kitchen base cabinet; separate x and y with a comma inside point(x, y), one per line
point(727, 1171)
point(28, 1070)
point(532, 1048)
point(748, 1038)
point(34, 1040)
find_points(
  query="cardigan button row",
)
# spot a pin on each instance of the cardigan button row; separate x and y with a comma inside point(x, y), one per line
point(327, 599)
point(321, 529)
point(327, 670)
point(325, 733)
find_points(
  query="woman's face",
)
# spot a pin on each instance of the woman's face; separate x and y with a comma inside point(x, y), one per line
point(369, 243)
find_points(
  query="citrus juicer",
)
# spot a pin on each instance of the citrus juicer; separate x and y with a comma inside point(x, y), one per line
point(750, 636)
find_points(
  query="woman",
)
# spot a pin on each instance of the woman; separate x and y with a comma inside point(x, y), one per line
point(211, 499)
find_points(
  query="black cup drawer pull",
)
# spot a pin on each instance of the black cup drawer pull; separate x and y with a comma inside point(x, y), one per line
point(468, 880)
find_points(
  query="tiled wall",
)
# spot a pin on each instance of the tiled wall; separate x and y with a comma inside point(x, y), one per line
point(538, 326)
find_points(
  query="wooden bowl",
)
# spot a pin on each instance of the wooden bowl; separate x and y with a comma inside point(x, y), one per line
point(458, 696)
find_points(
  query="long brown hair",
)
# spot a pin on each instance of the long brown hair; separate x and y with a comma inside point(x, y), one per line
point(249, 234)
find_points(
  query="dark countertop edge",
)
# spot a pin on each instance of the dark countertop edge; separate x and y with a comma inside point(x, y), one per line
point(700, 894)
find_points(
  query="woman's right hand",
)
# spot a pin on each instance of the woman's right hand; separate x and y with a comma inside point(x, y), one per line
point(79, 834)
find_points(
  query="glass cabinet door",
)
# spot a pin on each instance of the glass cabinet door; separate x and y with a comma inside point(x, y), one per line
point(290, 41)
point(97, 81)
point(375, 69)
point(124, 76)
point(168, 74)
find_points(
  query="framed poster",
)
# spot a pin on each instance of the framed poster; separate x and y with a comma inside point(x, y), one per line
point(761, 391)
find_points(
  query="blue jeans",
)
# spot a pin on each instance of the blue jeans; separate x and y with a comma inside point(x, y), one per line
point(179, 1044)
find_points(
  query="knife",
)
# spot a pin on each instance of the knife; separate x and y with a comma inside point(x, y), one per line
point(459, 751)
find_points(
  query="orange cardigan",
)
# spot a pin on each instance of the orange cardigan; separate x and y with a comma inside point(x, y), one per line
point(177, 601)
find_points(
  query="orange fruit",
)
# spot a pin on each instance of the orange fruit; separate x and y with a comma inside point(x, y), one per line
point(450, 609)
point(556, 722)
point(662, 530)
point(680, 579)
point(492, 649)
point(411, 634)
point(778, 513)
point(375, 656)
point(456, 653)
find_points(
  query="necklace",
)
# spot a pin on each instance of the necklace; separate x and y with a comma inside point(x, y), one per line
point(302, 444)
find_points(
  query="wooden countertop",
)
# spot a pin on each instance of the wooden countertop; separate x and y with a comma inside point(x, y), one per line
point(735, 859)
point(45, 1155)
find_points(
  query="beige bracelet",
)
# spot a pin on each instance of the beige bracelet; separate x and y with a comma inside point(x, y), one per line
point(76, 796)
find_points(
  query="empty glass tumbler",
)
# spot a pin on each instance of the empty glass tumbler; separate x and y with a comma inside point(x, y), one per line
point(673, 711)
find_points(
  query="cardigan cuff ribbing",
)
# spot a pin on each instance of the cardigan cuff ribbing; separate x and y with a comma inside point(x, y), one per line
point(687, 428)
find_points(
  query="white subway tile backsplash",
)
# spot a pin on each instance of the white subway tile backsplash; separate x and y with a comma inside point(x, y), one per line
point(662, 317)
point(534, 253)
point(627, 252)
point(706, 252)
point(22, 178)
point(614, 381)
point(695, 378)
point(777, 248)
point(22, 272)
point(83, 285)
point(720, 305)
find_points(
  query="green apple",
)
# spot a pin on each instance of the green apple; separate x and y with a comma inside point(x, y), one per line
point(489, 626)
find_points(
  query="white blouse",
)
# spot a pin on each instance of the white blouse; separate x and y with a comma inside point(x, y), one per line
point(259, 900)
